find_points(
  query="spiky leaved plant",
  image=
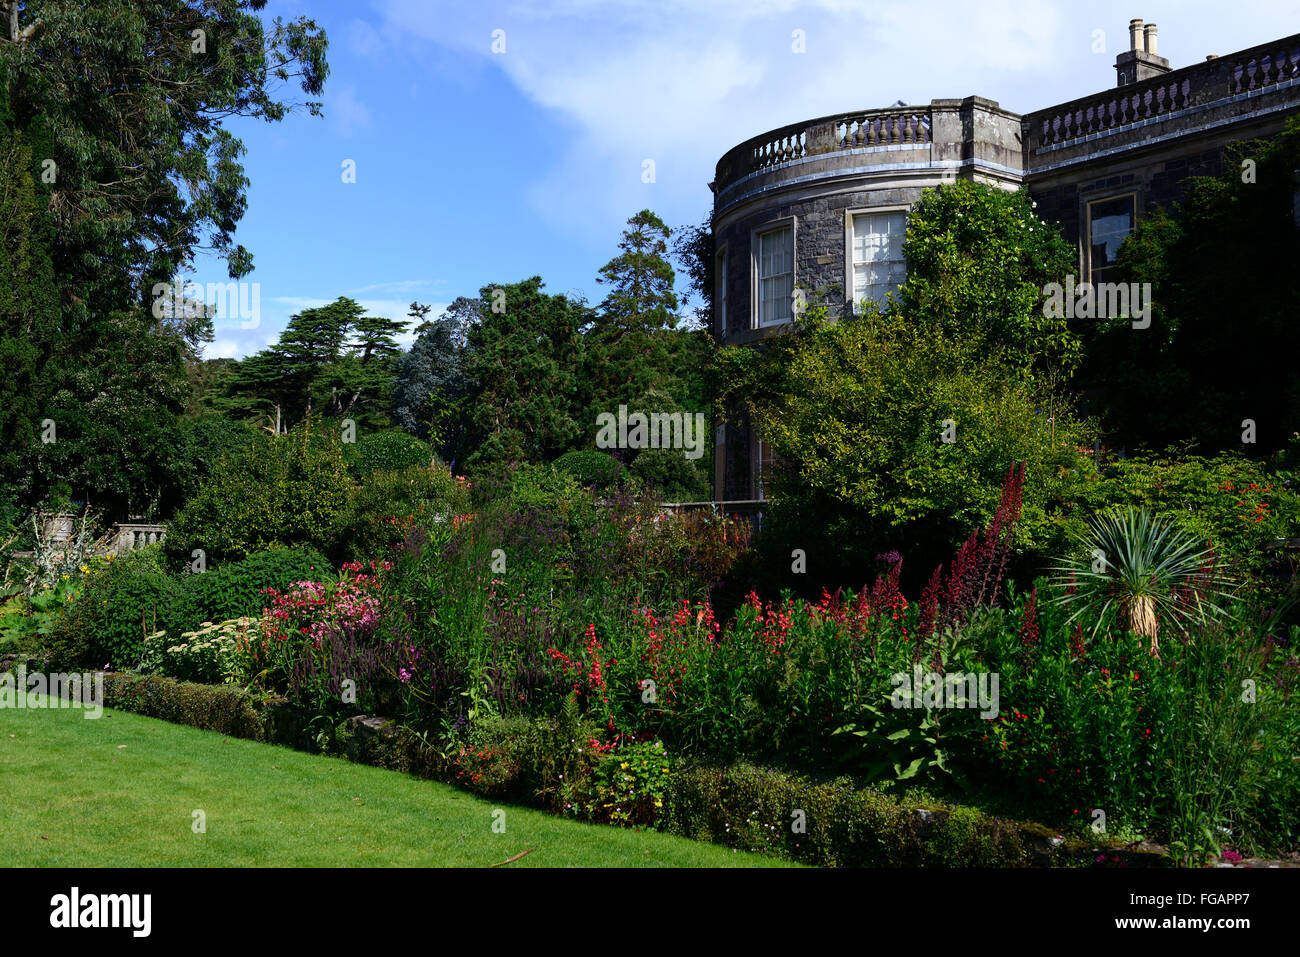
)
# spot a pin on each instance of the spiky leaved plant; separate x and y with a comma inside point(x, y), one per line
point(1150, 570)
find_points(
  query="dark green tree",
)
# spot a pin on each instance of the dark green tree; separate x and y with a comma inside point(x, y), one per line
point(28, 308)
point(523, 358)
point(695, 251)
point(330, 359)
point(120, 105)
point(625, 354)
point(431, 383)
point(1221, 341)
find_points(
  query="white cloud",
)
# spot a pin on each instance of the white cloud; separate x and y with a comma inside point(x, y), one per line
point(345, 113)
point(681, 82)
point(364, 39)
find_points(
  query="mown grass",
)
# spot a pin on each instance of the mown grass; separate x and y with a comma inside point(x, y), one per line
point(121, 791)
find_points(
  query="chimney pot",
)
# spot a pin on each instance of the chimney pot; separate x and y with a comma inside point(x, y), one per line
point(1150, 30)
point(1135, 36)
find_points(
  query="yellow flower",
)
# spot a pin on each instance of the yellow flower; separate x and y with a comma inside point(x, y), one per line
point(67, 576)
point(623, 765)
point(85, 569)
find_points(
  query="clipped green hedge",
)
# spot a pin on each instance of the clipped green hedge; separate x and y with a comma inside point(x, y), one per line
point(224, 709)
point(591, 467)
point(754, 809)
point(834, 824)
point(742, 806)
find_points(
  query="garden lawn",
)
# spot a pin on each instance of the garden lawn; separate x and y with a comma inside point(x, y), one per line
point(121, 791)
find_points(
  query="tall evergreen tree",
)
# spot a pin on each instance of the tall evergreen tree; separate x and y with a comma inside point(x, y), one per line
point(28, 306)
point(431, 382)
point(624, 356)
point(120, 105)
point(330, 359)
point(523, 357)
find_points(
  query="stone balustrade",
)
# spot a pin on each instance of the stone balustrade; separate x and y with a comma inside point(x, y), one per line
point(1249, 72)
point(131, 536)
point(895, 126)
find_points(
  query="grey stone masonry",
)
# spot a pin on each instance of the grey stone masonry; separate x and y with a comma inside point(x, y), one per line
point(1144, 138)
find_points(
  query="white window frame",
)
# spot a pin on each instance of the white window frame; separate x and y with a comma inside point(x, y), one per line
point(756, 286)
point(849, 265)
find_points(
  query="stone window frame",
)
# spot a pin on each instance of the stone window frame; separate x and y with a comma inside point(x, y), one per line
point(755, 285)
point(849, 213)
point(720, 289)
point(1085, 222)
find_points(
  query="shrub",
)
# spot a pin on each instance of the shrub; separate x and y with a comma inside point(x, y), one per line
point(209, 439)
point(390, 504)
point(677, 478)
point(234, 590)
point(855, 412)
point(590, 467)
point(121, 602)
point(284, 492)
point(1240, 505)
point(388, 450)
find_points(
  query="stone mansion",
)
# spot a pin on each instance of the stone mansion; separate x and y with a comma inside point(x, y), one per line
point(823, 203)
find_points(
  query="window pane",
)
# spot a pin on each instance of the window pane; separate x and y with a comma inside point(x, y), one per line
point(878, 264)
point(1109, 223)
point(776, 274)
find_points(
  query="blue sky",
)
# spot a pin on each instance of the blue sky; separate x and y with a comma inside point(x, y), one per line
point(476, 167)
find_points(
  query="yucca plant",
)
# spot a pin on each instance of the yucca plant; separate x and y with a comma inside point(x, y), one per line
point(1147, 569)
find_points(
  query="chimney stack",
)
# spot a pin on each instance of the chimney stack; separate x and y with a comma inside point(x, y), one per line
point(1136, 39)
point(1140, 61)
